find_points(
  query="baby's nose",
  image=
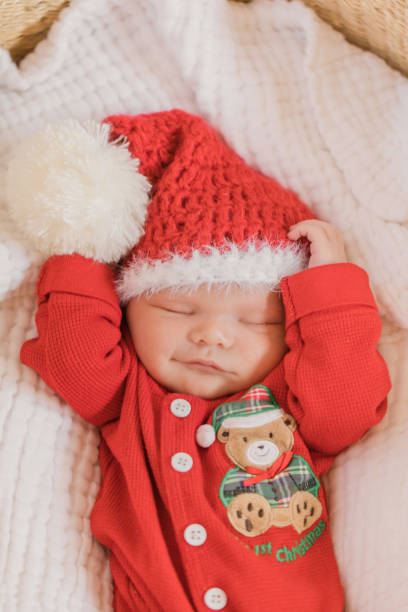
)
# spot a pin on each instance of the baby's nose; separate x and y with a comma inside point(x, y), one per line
point(212, 333)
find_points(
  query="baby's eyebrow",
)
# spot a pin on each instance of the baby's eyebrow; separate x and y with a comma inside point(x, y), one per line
point(168, 301)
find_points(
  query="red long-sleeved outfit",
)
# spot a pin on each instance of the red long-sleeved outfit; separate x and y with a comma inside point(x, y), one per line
point(332, 380)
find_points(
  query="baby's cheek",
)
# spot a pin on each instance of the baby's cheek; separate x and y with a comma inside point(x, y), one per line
point(268, 348)
point(262, 343)
point(277, 340)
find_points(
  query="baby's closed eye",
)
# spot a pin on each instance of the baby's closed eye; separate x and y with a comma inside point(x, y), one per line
point(176, 310)
point(260, 322)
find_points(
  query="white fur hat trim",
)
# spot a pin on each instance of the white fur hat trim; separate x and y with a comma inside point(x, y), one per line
point(248, 266)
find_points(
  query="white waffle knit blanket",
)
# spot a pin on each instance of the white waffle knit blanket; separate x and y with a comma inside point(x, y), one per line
point(298, 102)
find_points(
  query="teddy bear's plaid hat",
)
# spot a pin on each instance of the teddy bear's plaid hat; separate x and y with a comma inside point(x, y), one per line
point(257, 407)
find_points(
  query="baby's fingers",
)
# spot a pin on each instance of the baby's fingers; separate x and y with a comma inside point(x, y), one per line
point(326, 242)
point(312, 229)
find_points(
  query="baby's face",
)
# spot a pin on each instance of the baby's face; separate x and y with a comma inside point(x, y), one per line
point(208, 342)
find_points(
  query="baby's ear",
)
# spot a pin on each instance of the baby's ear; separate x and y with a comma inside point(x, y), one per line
point(223, 434)
point(289, 421)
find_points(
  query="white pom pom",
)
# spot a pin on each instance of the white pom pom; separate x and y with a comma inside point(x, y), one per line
point(72, 191)
point(205, 435)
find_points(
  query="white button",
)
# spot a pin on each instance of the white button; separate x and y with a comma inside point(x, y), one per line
point(195, 534)
point(182, 462)
point(215, 599)
point(180, 407)
point(205, 435)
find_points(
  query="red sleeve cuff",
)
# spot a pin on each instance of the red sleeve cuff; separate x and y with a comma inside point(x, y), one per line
point(78, 275)
point(323, 288)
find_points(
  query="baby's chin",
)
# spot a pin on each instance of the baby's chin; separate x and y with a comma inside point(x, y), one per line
point(206, 387)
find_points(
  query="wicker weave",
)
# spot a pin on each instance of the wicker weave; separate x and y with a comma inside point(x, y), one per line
point(378, 25)
point(25, 22)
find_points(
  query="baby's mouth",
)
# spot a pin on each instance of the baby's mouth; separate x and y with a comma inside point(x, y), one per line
point(206, 365)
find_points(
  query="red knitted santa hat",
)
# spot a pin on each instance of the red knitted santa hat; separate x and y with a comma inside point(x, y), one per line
point(211, 218)
point(163, 194)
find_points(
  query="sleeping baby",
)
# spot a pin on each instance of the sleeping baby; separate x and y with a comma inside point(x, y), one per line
point(200, 315)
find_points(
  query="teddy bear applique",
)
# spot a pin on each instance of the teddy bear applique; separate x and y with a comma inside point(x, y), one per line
point(271, 486)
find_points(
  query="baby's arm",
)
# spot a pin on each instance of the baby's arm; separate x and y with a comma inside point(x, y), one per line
point(338, 382)
point(71, 188)
point(79, 351)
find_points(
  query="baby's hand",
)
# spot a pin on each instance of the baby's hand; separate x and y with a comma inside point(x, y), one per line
point(326, 242)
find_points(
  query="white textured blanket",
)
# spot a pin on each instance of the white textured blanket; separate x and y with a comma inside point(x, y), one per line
point(298, 102)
